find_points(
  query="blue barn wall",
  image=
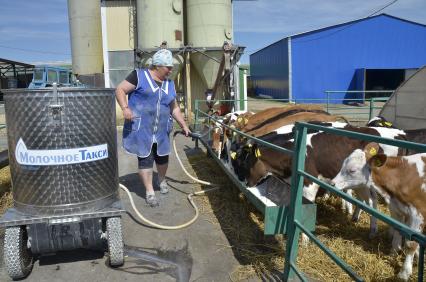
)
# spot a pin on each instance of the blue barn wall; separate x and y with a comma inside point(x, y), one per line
point(269, 70)
point(333, 58)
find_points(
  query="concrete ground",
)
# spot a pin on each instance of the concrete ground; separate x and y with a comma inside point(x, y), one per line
point(195, 253)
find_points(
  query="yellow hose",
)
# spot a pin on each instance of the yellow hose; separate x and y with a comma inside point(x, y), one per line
point(191, 201)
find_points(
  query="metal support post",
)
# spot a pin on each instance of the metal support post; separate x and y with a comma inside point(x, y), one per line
point(370, 114)
point(296, 194)
point(328, 100)
point(188, 86)
point(421, 264)
point(196, 120)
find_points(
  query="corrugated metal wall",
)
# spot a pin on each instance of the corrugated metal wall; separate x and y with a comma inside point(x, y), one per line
point(328, 59)
point(269, 70)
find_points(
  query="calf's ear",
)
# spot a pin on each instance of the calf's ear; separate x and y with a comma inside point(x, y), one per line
point(371, 150)
point(377, 160)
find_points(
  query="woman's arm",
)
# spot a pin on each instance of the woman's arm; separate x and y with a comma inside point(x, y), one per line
point(178, 117)
point(121, 91)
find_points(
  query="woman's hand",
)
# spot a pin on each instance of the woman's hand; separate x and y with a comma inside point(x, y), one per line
point(127, 113)
point(186, 130)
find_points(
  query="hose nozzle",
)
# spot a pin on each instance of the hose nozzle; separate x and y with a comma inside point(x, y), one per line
point(193, 135)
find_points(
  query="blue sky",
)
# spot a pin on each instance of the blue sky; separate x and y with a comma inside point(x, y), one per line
point(40, 25)
point(37, 31)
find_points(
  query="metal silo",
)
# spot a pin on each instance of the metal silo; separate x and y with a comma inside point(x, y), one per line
point(86, 36)
point(159, 21)
point(209, 24)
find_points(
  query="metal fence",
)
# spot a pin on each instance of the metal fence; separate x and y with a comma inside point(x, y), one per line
point(358, 114)
point(294, 225)
point(339, 102)
point(294, 218)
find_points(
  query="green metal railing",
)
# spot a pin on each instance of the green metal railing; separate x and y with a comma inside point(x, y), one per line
point(333, 109)
point(294, 217)
point(366, 111)
point(294, 227)
point(274, 215)
point(363, 92)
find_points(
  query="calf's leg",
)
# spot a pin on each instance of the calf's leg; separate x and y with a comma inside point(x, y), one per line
point(415, 221)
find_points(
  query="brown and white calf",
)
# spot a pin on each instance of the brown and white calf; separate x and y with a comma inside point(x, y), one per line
point(324, 157)
point(265, 122)
point(219, 136)
point(401, 180)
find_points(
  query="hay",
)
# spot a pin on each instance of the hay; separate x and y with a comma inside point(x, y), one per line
point(6, 200)
point(262, 256)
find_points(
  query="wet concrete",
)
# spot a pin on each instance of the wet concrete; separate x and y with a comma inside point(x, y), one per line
point(195, 253)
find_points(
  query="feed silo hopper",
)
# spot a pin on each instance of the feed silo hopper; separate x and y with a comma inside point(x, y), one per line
point(86, 36)
point(157, 22)
point(64, 169)
point(209, 25)
point(406, 108)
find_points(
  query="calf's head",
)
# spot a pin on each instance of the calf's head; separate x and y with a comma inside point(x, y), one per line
point(356, 168)
point(380, 121)
point(247, 164)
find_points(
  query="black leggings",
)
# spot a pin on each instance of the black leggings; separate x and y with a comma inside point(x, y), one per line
point(148, 162)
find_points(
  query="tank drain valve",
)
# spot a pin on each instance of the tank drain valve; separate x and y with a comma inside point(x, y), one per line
point(55, 110)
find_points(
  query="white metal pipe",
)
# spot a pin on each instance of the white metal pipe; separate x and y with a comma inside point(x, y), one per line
point(105, 43)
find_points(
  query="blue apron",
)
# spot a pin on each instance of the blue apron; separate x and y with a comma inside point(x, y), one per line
point(152, 121)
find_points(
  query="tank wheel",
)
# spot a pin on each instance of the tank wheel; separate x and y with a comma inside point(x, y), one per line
point(115, 241)
point(17, 257)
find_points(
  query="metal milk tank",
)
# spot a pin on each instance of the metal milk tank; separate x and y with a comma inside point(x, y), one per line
point(62, 149)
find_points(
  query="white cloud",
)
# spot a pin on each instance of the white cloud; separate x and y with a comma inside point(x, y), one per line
point(52, 63)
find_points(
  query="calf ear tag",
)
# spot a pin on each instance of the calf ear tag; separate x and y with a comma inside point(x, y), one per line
point(372, 152)
point(257, 153)
point(377, 162)
point(239, 120)
point(387, 123)
point(233, 155)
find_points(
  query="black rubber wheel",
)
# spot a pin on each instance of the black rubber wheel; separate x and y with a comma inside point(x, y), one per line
point(115, 241)
point(17, 257)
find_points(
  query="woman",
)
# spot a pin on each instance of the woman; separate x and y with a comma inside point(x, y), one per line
point(148, 119)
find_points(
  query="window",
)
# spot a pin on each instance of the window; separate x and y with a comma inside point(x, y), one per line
point(38, 75)
point(63, 77)
point(52, 76)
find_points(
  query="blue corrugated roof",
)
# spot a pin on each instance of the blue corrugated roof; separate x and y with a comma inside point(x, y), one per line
point(337, 25)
